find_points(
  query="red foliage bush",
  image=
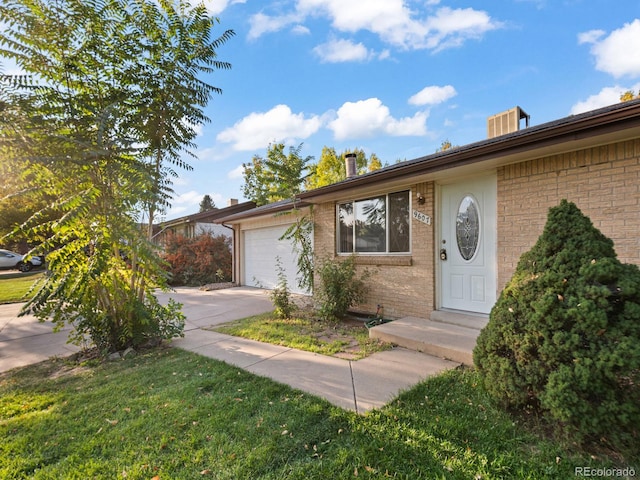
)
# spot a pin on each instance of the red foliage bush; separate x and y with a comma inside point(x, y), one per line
point(199, 260)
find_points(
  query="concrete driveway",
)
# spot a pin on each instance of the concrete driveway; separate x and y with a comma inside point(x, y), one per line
point(25, 340)
point(204, 309)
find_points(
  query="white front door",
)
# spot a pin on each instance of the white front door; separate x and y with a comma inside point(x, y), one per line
point(467, 248)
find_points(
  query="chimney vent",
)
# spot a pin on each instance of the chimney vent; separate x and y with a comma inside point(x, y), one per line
point(350, 164)
point(231, 202)
point(506, 122)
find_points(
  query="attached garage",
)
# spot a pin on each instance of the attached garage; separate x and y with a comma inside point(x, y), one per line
point(261, 248)
point(257, 245)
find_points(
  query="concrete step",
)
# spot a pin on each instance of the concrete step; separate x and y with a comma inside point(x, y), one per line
point(476, 321)
point(433, 337)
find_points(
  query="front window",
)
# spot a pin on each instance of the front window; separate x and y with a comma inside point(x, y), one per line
point(375, 225)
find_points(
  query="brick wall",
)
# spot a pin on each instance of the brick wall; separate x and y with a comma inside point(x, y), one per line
point(604, 182)
point(402, 284)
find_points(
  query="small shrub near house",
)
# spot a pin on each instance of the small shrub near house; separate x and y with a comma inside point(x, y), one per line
point(564, 337)
point(339, 287)
point(280, 295)
point(198, 261)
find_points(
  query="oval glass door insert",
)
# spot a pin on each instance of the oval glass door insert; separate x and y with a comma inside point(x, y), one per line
point(468, 227)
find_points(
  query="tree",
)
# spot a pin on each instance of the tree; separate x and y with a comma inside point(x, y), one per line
point(628, 96)
point(277, 177)
point(207, 204)
point(444, 146)
point(564, 337)
point(331, 168)
point(89, 134)
point(170, 105)
point(374, 163)
point(15, 207)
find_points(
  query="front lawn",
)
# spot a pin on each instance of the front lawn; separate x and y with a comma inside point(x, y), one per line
point(347, 339)
point(172, 414)
point(14, 286)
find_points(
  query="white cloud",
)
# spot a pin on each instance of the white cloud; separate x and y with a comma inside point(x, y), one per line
point(188, 203)
point(236, 172)
point(257, 130)
point(452, 27)
point(300, 30)
point(186, 199)
point(335, 51)
point(366, 118)
point(618, 53)
point(391, 20)
point(591, 36)
point(261, 24)
point(606, 96)
point(215, 7)
point(384, 54)
point(433, 95)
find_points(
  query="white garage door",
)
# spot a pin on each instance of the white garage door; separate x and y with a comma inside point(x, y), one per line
point(261, 248)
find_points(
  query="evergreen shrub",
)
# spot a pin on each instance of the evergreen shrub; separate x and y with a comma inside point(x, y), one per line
point(563, 339)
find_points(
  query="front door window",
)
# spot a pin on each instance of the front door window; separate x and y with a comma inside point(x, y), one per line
point(468, 227)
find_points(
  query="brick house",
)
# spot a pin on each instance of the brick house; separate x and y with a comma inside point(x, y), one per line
point(444, 232)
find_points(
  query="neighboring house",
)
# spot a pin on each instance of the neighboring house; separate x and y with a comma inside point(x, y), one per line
point(445, 231)
point(204, 222)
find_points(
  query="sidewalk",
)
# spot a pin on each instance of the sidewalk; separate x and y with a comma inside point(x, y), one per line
point(355, 385)
point(24, 340)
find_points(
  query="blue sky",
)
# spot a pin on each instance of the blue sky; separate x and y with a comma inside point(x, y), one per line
point(397, 78)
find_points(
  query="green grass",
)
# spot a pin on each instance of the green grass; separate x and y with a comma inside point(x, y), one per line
point(14, 286)
point(171, 414)
point(305, 332)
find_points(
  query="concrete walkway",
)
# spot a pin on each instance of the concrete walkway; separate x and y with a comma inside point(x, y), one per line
point(355, 385)
point(24, 340)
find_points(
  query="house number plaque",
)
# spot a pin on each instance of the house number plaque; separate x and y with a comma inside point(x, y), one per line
point(422, 217)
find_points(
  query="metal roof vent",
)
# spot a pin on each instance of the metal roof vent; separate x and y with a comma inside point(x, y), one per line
point(506, 122)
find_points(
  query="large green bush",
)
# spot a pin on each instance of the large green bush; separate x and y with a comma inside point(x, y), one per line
point(564, 335)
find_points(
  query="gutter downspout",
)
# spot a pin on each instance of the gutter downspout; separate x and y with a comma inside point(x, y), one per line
point(233, 250)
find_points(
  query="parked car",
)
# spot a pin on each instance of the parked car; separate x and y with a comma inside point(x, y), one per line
point(11, 260)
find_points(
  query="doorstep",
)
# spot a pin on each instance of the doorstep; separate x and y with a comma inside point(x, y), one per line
point(449, 335)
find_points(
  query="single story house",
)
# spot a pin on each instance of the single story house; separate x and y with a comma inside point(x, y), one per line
point(198, 223)
point(445, 231)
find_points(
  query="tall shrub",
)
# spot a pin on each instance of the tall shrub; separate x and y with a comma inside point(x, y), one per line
point(109, 104)
point(200, 260)
point(564, 335)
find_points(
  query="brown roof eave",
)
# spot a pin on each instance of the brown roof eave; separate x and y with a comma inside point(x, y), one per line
point(210, 216)
point(269, 209)
point(570, 129)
